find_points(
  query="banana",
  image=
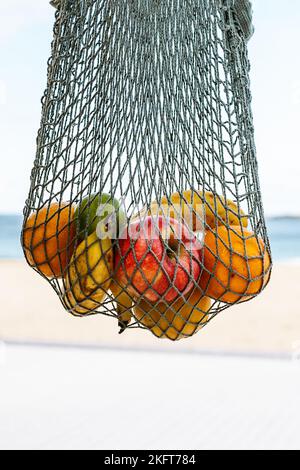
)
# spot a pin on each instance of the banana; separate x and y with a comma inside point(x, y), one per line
point(176, 321)
point(89, 275)
point(77, 307)
point(195, 206)
point(124, 305)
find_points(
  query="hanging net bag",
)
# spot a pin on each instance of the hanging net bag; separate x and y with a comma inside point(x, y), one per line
point(144, 202)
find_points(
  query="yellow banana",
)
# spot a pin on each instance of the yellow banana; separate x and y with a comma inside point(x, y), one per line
point(89, 275)
point(76, 307)
point(182, 319)
point(124, 305)
point(194, 205)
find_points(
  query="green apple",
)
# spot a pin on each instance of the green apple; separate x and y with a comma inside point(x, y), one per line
point(96, 208)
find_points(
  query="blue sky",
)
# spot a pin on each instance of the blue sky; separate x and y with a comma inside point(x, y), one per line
point(275, 77)
point(25, 36)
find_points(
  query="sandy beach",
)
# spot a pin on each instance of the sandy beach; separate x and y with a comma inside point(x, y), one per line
point(31, 312)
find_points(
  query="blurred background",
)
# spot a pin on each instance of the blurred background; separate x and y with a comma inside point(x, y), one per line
point(236, 383)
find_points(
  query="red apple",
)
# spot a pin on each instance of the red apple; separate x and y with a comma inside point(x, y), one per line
point(158, 259)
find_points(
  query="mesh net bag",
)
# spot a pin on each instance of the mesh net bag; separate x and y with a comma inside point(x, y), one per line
point(145, 202)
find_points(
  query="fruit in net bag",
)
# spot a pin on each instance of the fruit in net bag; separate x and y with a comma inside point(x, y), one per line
point(89, 275)
point(49, 239)
point(237, 265)
point(180, 319)
point(94, 209)
point(158, 259)
point(197, 208)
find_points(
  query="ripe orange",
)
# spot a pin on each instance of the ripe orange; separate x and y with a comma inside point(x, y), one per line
point(237, 264)
point(178, 320)
point(49, 239)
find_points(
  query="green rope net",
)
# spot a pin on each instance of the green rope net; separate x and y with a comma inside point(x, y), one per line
point(144, 202)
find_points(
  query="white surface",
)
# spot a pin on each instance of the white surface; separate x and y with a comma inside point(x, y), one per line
point(55, 398)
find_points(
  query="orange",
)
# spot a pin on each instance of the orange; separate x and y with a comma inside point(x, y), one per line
point(237, 265)
point(178, 320)
point(49, 239)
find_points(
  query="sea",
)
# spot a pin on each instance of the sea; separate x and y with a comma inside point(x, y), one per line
point(284, 234)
